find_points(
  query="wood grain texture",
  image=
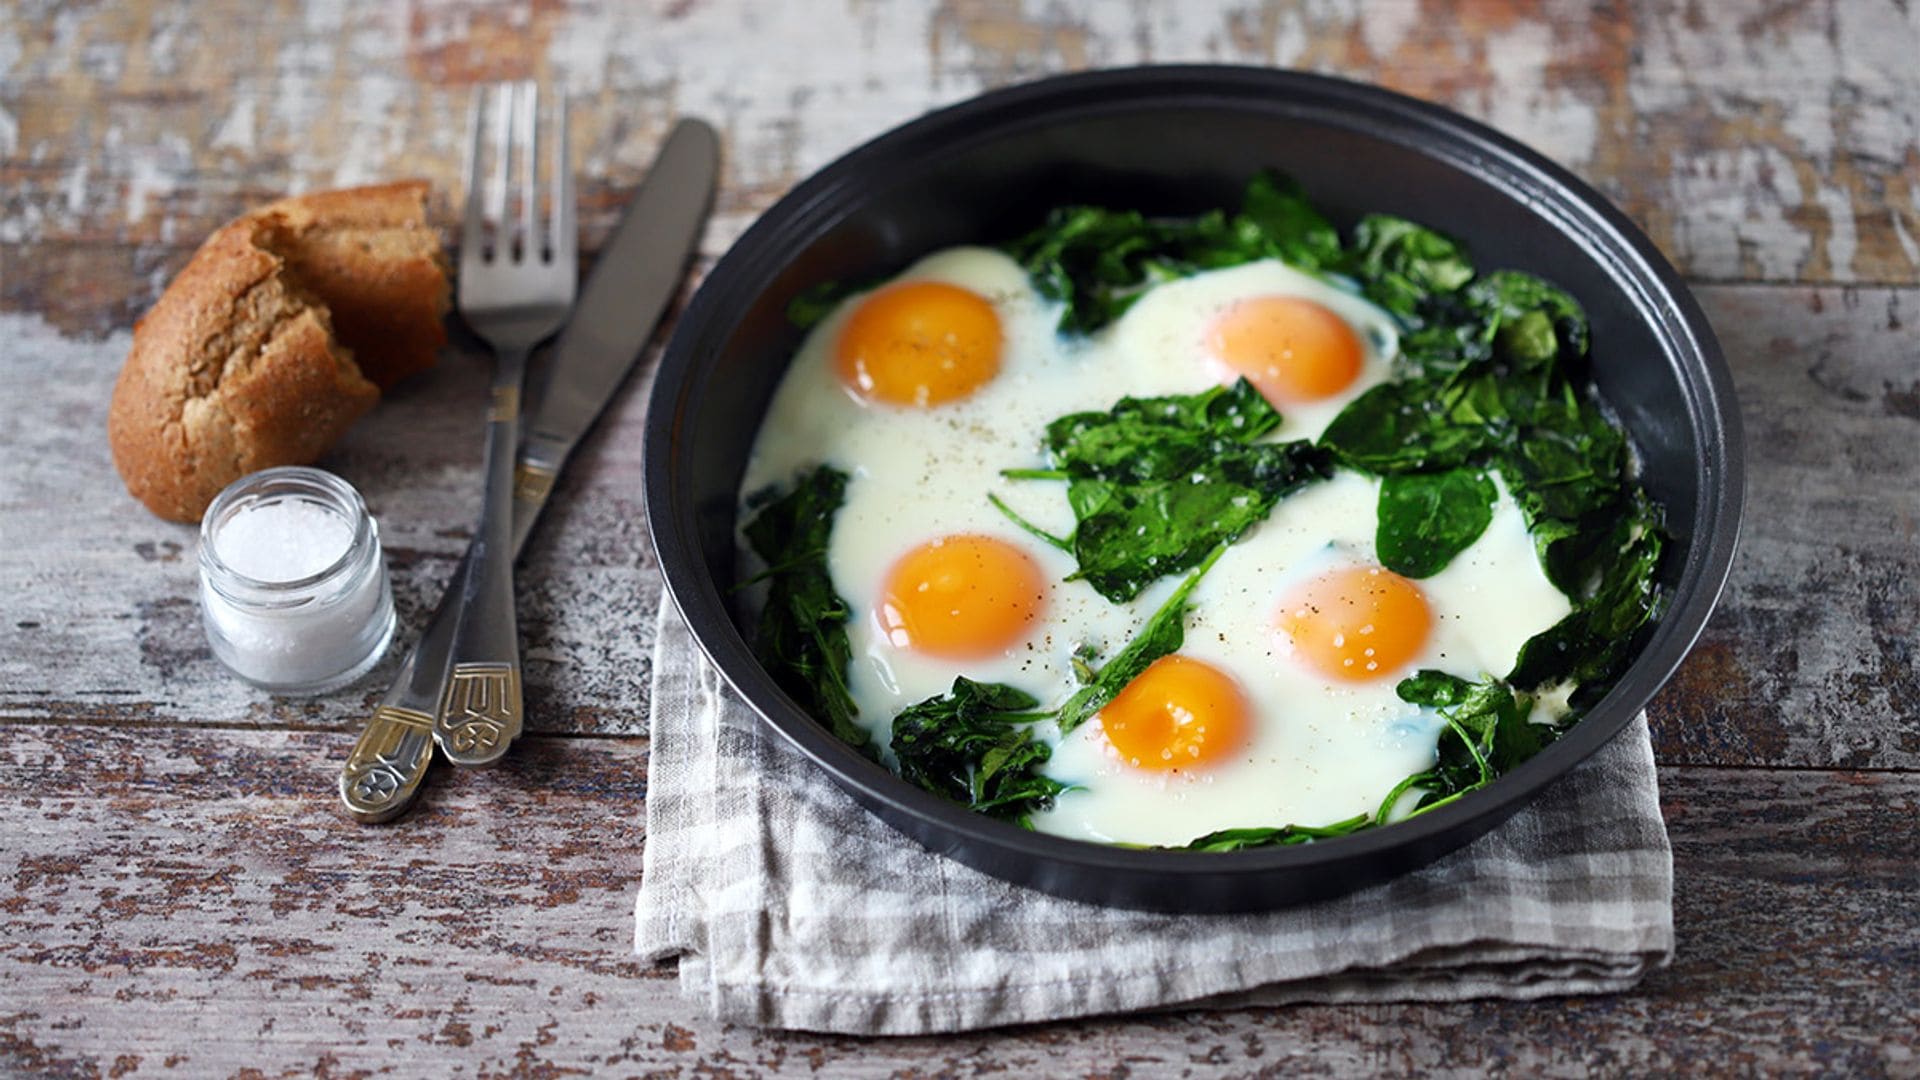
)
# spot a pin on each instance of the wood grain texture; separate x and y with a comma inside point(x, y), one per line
point(1810, 658)
point(178, 896)
point(1755, 141)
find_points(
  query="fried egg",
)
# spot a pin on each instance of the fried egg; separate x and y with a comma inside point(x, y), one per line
point(1308, 346)
point(1281, 706)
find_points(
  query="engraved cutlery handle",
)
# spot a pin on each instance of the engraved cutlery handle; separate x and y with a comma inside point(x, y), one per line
point(480, 712)
point(387, 764)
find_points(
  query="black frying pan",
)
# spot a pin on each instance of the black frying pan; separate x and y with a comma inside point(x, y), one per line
point(1174, 140)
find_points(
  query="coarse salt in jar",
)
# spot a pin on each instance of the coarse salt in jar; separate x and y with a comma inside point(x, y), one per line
point(293, 585)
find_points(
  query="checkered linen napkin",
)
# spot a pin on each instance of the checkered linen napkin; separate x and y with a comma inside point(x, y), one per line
point(789, 906)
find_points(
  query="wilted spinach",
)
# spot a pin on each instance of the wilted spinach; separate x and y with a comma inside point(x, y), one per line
point(1488, 733)
point(1163, 635)
point(975, 745)
point(1285, 836)
point(1592, 645)
point(1099, 261)
point(1157, 483)
point(1401, 266)
point(802, 633)
point(1425, 519)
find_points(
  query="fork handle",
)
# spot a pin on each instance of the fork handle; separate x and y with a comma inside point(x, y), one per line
point(480, 711)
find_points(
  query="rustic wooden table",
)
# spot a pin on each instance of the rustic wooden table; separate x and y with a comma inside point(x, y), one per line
point(180, 896)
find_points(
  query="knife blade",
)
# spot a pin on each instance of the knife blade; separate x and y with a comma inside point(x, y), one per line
point(637, 274)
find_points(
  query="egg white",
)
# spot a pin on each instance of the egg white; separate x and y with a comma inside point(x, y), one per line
point(1320, 753)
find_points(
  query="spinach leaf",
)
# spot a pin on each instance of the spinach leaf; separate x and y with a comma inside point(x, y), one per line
point(1534, 320)
point(1095, 260)
point(802, 633)
point(1591, 646)
point(1280, 222)
point(1408, 426)
point(1487, 734)
point(975, 745)
point(1162, 635)
point(1286, 836)
point(1401, 265)
point(1157, 483)
point(1099, 261)
point(1425, 519)
point(1568, 462)
point(1153, 438)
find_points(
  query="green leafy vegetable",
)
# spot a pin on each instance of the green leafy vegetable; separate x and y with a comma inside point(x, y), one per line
point(1286, 836)
point(1534, 321)
point(1591, 646)
point(1100, 261)
point(1157, 483)
point(1401, 265)
point(802, 634)
point(1426, 519)
point(1163, 635)
point(975, 745)
point(1487, 734)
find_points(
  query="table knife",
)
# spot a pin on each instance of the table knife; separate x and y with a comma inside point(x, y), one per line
point(637, 274)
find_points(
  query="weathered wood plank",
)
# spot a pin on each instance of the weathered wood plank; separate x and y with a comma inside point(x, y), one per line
point(1810, 661)
point(1754, 141)
point(187, 901)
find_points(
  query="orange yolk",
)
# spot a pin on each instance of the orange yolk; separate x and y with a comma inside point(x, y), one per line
point(961, 597)
point(1291, 350)
point(1357, 624)
point(919, 343)
point(1177, 714)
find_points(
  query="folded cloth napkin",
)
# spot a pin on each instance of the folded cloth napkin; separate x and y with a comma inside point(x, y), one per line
point(787, 905)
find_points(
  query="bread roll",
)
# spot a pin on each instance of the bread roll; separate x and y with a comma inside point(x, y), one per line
point(248, 360)
point(370, 256)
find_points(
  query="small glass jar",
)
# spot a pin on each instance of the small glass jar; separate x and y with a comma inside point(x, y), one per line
point(293, 585)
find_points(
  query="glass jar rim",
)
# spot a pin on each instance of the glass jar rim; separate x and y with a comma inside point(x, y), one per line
point(282, 480)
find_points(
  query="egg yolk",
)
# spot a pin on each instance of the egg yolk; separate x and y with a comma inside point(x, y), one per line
point(919, 343)
point(1180, 713)
point(1290, 349)
point(961, 597)
point(1358, 623)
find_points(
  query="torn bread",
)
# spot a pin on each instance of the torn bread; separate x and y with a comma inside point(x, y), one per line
point(278, 334)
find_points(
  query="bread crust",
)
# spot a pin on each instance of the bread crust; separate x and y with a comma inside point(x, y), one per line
point(278, 334)
point(370, 256)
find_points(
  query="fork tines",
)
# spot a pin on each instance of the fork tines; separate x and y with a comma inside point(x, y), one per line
point(503, 219)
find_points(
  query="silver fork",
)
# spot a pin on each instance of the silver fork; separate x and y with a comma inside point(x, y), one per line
point(517, 284)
